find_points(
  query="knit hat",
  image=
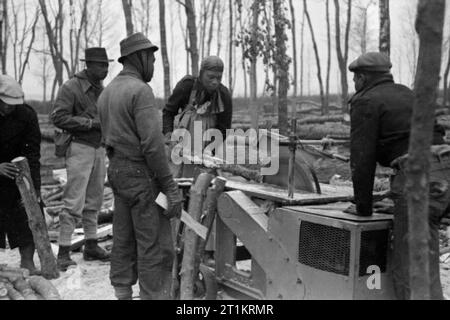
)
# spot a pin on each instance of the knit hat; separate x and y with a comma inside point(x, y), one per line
point(212, 63)
point(135, 42)
point(96, 55)
point(371, 62)
point(10, 91)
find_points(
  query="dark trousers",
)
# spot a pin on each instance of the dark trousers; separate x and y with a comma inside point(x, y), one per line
point(13, 219)
point(143, 247)
point(439, 204)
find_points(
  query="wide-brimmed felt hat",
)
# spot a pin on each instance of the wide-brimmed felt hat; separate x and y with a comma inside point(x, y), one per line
point(371, 62)
point(10, 91)
point(134, 43)
point(96, 55)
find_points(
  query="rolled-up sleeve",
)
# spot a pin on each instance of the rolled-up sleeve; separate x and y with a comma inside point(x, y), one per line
point(63, 109)
point(364, 135)
point(149, 131)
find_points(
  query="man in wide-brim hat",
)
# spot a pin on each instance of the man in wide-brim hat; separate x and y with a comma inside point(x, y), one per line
point(75, 111)
point(138, 170)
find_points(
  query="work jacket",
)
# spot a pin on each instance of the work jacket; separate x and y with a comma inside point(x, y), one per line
point(179, 100)
point(130, 121)
point(20, 137)
point(75, 110)
point(380, 128)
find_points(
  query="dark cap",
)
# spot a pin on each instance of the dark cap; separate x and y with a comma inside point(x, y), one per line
point(371, 62)
point(134, 43)
point(96, 55)
point(212, 63)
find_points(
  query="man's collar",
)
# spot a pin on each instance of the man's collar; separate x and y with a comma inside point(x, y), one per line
point(130, 70)
point(377, 81)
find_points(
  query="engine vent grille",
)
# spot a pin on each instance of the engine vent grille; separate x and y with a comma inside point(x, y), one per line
point(325, 248)
point(374, 246)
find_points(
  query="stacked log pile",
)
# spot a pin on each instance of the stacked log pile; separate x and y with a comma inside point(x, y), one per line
point(17, 284)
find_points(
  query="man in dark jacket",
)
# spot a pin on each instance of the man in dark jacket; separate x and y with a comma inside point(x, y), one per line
point(381, 114)
point(19, 137)
point(138, 171)
point(75, 111)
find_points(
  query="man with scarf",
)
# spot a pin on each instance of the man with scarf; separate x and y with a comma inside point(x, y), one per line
point(381, 113)
point(203, 99)
point(75, 111)
point(19, 137)
point(138, 172)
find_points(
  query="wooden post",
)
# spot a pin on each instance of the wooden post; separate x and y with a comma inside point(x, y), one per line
point(36, 219)
point(210, 209)
point(197, 196)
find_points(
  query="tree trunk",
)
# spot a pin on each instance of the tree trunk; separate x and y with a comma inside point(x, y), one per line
point(165, 57)
point(127, 10)
point(294, 47)
point(327, 85)
point(197, 195)
point(316, 52)
point(302, 56)
point(192, 28)
point(211, 28)
point(282, 62)
point(429, 26)
point(385, 27)
point(4, 30)
point(446, 84)
point(343, 55)
point(253, 70)
point(30, 46)
point(231, 44)
point(36, 220)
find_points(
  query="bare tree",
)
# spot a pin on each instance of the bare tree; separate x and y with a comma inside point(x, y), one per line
point(429, 26)
point(302, 54)
point(327, 81)
point(4, 31)
point(55, 42)
point(316, 52)
point(446, 76)
point(362, 35)
point(343, 54)
point(128, 11)
point(231, 46)
point(141, 14)
point(385, 27)
point(211, 28)
point(282, 62)
point(253, 57)
point(193, 39)
point(75, 35)
point(165, 57)
point(294, 46)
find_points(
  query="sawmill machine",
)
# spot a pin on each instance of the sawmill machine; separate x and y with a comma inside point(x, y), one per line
point(299, 242)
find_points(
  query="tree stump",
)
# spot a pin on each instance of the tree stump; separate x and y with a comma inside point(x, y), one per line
point(36, 219)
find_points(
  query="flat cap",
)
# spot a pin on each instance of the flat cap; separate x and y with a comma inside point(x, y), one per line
point(371, 62)
point(212, 63)
point(10, 91)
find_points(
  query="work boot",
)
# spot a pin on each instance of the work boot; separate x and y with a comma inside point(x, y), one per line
point(64, 261)
point(92, 251)
point(26, 259)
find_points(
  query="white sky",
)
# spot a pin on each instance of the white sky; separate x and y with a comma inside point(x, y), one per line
point(402, 33)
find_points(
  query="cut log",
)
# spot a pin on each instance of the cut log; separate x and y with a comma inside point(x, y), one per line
point(44, 288)
point(25, 289)
point(210, 209)
point(13, 294)
point(197, 196)
point(25, 273)
point(324, 119)
point(36, 219)
point(3, 290)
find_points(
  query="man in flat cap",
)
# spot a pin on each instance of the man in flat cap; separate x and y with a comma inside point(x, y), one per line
point(75, 111)
point(138, 172)
point(19, 137)
point(381, 113)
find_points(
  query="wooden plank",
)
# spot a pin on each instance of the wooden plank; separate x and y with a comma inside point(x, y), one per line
point(78, 241)
point(273, 193)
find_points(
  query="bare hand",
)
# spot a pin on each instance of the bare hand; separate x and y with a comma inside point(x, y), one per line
point(9, 170)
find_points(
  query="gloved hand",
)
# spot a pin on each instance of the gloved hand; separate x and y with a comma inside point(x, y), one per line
point(174, 198)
